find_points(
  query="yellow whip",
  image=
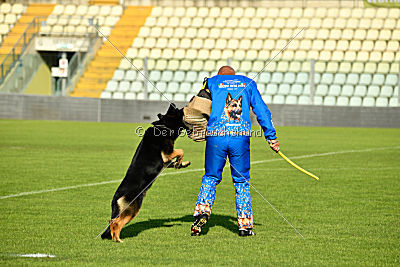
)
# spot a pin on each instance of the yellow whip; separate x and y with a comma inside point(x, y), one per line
point(297, 166)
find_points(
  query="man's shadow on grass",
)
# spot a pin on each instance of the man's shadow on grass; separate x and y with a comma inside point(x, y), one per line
point(134, 229)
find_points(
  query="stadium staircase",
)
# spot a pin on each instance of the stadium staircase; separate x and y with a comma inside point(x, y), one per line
point(33, 10)
point(107, 59)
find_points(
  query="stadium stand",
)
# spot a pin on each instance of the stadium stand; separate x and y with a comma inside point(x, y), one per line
point(107, 59)
point(18, 19)
point(356, 53)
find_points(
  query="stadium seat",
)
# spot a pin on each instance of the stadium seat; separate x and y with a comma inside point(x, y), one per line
point(278, 99)
point(381, 102)
point(329, 101)
point(284, 89)
point(360, 90)
point(124, 86)
point(291, 100)
point(378, 79)
point(355, 101)
point(321, 90)
point(365, 79)
point(112, 86)
point(327, 78)
point(118, 95)
point(368, 102)
point(391, 79)
point(334, 90)
point(342, 101)
point(271, 89)
point(304, 100)
point(179, 97)
point(105, 94)
point(393, 102)
point(347, 90)
point(373, 91)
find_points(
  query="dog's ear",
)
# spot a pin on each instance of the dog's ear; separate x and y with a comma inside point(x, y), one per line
point(228, 98)
point(240, 100)
point(159, 116)
point(172, 109)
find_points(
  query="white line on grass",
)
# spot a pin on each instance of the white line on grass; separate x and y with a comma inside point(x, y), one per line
point(37, 255)
point(195, 170)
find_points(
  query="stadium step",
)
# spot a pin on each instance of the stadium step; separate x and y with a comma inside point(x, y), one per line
point(33, 10)
point(107, 59)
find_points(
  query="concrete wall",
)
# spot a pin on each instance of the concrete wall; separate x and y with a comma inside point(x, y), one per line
point(17, 106)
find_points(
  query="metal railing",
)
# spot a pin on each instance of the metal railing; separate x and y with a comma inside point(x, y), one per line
point(11, 59)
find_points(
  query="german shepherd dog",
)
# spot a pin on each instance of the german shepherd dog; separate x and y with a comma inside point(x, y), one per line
point(233, 108)
point(155, 151)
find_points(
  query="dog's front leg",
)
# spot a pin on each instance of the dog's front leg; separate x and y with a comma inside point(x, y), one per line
point(178, 154)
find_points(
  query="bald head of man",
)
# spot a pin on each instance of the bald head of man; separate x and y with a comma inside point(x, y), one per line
point(226, 70)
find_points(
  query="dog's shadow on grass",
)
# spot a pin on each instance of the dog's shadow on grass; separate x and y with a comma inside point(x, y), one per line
point(134, 229)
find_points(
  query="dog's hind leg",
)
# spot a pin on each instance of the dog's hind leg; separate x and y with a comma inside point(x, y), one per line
point(129, 213)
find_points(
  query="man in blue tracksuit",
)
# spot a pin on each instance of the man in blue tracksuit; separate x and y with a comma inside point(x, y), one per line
point(228, 134)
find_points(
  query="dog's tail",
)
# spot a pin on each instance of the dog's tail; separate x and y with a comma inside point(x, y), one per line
point(107, 233)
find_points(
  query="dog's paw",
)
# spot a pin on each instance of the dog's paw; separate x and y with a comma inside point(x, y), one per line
point(185, 164)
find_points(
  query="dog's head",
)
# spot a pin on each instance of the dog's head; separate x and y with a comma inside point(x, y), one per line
point(233, 107)
point(173, 120)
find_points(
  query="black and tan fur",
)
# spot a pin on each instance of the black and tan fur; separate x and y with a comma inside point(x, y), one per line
point(155, 151)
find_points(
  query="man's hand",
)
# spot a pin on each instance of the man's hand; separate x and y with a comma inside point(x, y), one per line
point(274, 144)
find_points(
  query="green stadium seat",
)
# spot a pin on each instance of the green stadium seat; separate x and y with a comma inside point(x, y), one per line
point(352, 78)
point(105, 94)
point(381, 102)
point(155, 75)
point(340, 78)
point(304, 100)
point(302, 78)
point(318, 100)
point(347, 90)
point(191, 76)
point(137, 87)
point(112, 86)
point(179, 97)
point(386, 91)
point(368, 102)
point(342, 101)
point(329, 101)
point(289, 77)
point(277, 77)
point(186, 87)
point(161, 87)
point(373, 91)
point(284, 89)
point(130, 96)
point(124, 86)
point(154, 96)
point(264, 77)
point(172, 87)
point(140, 96)
point(391, 79)
point(360, 90)
point(291, 100)
point(378, 79)
point(334, 90)
point(278, 99)
point(118, 75)
point(167, 76)
point(130, 75)
point(321, 90)
point(393, 102)
point(271, 89)
point(365, 79)
point(296, 89)
point(179, 76)
point(355, 101)
point(118, 95)
point(327, 78)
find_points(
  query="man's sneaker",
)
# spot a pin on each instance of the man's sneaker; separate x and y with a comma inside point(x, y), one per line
point(246, 232)
point(198, 224)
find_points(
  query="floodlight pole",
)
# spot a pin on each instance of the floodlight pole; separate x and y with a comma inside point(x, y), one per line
point(312, 80)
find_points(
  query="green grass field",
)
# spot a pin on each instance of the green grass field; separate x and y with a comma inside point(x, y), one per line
point(350, 217)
